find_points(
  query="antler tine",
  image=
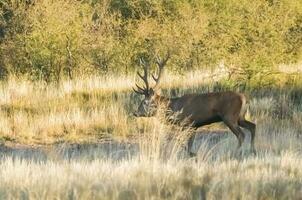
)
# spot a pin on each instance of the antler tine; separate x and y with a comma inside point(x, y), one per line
point(160, 63)
point(143, 90)
point(140, 88)
point(145, 76)
point(138, 91)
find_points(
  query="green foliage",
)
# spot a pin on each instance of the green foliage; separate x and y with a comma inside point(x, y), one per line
point(50, 40)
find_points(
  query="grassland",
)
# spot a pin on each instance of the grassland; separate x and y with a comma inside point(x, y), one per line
point(80, 110)
point(66, 101)
point(79, 140)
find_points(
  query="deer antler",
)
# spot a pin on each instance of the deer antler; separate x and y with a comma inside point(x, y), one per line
point(160, 63)
point(143, 90)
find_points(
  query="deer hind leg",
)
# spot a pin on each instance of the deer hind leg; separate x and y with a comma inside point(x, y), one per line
point(252, 128)
point(236, 130)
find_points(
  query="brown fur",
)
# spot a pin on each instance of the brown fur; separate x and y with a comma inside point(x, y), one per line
point(203, 109)
point(196, 109)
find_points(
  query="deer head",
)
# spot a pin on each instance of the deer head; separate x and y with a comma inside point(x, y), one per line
point(149, 104)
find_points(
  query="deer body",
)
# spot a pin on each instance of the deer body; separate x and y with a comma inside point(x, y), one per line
point(198, 109)
point(204, 109)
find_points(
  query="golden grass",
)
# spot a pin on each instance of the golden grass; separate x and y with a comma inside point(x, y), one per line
point(217, 173)
point(264, 177)
point(78, 110)
point(152, 166)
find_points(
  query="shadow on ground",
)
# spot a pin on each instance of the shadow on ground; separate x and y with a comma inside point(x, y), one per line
point(113, 150)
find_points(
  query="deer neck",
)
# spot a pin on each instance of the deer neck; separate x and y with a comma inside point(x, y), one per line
point(162, 101)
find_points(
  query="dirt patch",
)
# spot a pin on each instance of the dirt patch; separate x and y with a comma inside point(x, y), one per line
point(110, 149)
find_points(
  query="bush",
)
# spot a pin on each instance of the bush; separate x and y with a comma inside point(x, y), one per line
point(51, 40)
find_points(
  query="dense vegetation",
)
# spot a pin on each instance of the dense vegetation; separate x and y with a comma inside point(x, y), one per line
point(51, 40)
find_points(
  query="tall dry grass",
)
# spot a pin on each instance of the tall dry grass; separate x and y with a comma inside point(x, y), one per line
point(218, 173)
point(78, 110)
point(150, 160)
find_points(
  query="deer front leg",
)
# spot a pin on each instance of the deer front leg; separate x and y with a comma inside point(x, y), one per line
point(190, 144)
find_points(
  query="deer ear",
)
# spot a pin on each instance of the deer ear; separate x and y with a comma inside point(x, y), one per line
point(151, 92)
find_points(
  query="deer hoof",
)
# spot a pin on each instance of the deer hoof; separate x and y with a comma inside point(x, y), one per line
point(191, 154)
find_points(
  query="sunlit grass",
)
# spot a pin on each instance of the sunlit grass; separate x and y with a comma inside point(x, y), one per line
point(268, 175)
point(79, 110)
point(117, 156)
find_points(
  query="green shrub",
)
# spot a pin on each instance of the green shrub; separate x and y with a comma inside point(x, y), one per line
point(51, 40)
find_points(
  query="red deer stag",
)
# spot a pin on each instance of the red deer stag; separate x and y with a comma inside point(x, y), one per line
point(198, 109)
